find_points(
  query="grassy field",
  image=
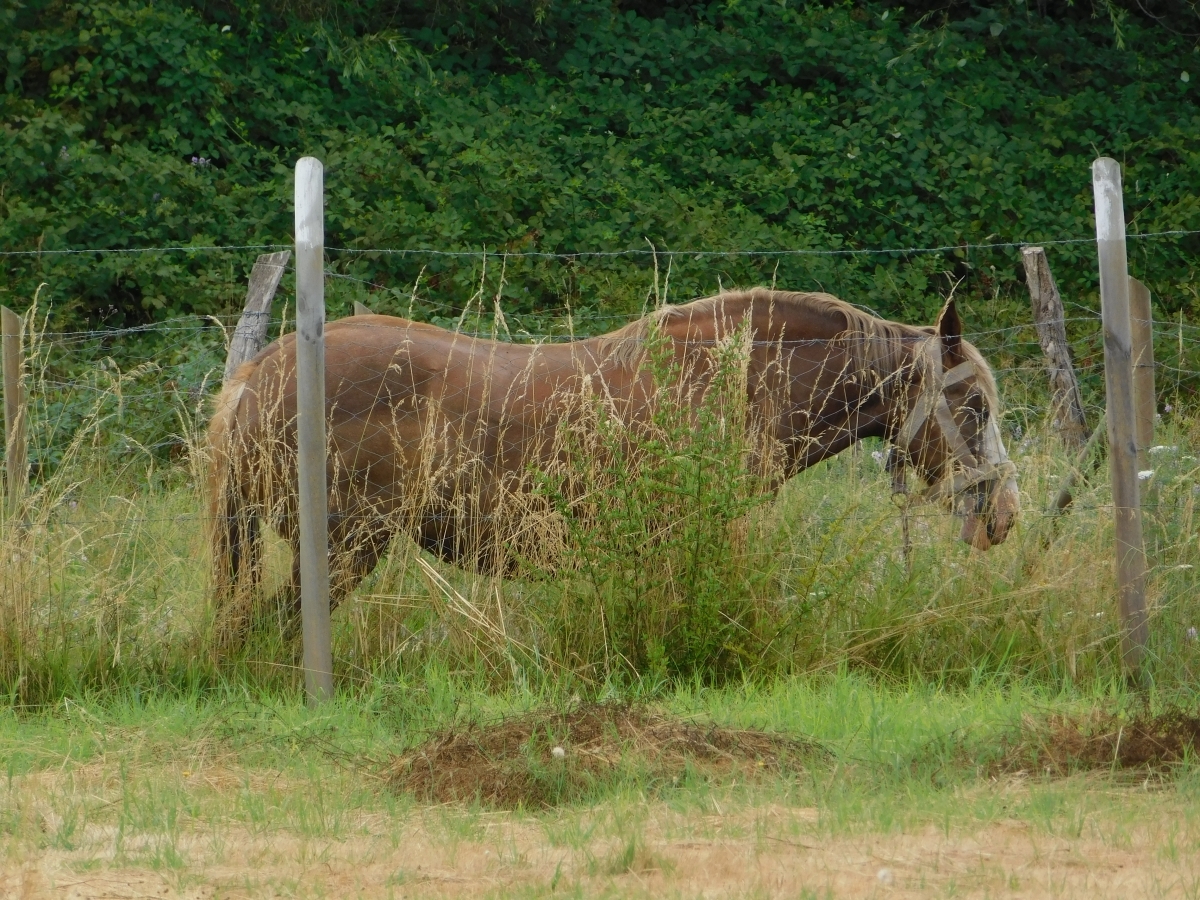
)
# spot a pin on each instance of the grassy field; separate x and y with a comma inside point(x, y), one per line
point(929, 722)
point(905, 790)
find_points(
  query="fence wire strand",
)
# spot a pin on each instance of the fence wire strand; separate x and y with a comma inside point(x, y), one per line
point(604, 254)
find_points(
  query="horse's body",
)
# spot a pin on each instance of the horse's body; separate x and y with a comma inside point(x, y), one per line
point(434, 433)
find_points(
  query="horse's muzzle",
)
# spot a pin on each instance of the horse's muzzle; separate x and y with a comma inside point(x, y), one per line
point(989, 515)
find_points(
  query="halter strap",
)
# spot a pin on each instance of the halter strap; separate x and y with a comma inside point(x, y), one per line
point(968, 471)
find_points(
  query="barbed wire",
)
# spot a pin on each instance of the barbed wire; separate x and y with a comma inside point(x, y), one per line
point(188, 394)
point(520, 337)
point(703, 254)
point(199, 323)
point(206, 323)
point(603, 254)
point(57, 349)
point(182, 248)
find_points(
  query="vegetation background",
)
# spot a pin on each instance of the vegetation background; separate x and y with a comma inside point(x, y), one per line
point(941, 691)
point(561, 127)
point(502, 149)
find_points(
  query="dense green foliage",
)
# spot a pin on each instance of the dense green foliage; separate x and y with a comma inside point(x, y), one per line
point(587, 126)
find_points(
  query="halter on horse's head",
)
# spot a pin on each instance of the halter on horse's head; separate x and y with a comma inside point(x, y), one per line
point(950, 435)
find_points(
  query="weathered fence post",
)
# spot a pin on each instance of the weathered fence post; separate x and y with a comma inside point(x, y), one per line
point(16, 449)
point(1067, 403)
point(1118, 385)
point(1145, 403)
point(310, 429)
point(251, 331)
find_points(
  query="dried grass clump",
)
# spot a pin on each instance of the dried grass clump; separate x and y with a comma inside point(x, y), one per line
point(1063, 745)
point(545, 759)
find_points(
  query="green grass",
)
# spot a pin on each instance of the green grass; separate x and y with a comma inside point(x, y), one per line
point(127, 745)
point(864, 724)
point(903, 735)
point(179, 785)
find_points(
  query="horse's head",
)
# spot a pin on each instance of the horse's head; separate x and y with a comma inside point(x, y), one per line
point(950, 435)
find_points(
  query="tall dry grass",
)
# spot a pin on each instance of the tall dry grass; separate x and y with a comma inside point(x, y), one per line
point(100, 584)
point(672, 561)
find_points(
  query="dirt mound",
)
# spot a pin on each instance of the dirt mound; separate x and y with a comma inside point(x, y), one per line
point(1061, 745)
point(544, 759)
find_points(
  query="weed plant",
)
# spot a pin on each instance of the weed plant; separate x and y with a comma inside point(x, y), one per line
point(663, 577)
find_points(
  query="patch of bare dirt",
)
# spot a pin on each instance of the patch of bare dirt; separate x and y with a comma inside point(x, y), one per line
point(775, 851)
point(1062, 745)
point(544, 759)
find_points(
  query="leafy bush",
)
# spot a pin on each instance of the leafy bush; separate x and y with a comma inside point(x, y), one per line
point(585, 126)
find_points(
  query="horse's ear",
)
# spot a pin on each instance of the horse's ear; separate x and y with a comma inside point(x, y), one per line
point(949, 329)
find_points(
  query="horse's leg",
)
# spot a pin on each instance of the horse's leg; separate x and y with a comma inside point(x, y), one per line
point(437, 534)
point(239, 581)
point(353, 554)
point(282, 611)
point(357, 556)
point(246, 552)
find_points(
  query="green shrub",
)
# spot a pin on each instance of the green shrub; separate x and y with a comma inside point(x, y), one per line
point(664, 577)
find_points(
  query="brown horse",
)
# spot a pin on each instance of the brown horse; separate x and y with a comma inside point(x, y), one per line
point(434, 434)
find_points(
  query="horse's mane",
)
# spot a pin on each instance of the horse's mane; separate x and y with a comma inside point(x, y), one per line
point(874, 345)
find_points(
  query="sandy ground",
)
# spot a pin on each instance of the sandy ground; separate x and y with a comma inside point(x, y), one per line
point(776, 851)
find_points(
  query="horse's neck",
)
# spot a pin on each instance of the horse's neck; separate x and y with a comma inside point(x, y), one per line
point(839, 408)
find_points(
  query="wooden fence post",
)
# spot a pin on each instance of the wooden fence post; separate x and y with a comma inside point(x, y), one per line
point(310, 429)
point(16, 448)
point(1067, 403)
point(251, 332)
point(1118, 385)
point(1145, 404)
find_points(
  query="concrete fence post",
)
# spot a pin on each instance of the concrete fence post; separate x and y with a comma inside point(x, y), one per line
point(310, 429)
point(1119, 401)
